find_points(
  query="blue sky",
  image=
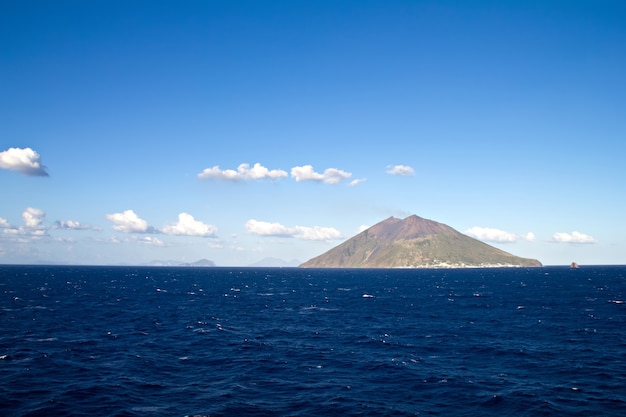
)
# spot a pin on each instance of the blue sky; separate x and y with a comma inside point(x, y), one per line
point(240, 130)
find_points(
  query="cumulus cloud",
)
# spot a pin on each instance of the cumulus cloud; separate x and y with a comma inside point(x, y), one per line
point(402, 170)
point(267, 229)
point(329, 176)
point(257, 172)
point(33, 218)
point(188, 226)
point(243, 172)
point(496, 235)
point(317, 233)
point(299, 232)
point(23, 160)
point(129, 222)
point(33, 224)
point(574, 237)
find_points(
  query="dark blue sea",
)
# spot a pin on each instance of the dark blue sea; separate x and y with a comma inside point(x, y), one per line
point(138, 341)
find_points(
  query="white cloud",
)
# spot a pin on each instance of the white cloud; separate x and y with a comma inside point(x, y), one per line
point(129, 222)
point(329, 176)
point(33, 217)
point(12, 230)
point(243, 172)
point(23, 231)
point(267, 229)
point(299, 232)
point(363, 228)
point(356, 182)
point(574, 237)
point(258, 171)
point(188, 226)
point(403, 170)
point(306, 173)
point(491, 235)
point(25, 234)
point(530, 236)
point(25, 161)
point(72, 225)
point(33, 225)
point(151, 241)
point(317, 233)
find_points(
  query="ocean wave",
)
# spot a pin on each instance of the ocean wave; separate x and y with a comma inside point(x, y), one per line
point(105, 342)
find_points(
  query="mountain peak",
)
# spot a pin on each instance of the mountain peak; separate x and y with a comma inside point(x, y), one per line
point(414, 242)
point(411, 227)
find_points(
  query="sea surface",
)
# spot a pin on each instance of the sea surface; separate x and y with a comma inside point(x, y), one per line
point(139, 341)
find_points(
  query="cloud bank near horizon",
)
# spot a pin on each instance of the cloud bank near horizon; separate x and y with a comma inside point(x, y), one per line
point(23, 160)
point(73, 225)
point(262, 228)
point(129, 222)
point(489, 234)
point(33, 224)
point(574, 237)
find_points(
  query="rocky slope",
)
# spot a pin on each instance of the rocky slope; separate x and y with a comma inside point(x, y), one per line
point(414, 242)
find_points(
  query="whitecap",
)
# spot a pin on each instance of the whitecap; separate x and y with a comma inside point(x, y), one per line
point(48, 339)
point(368, 296)
point(201, 330)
